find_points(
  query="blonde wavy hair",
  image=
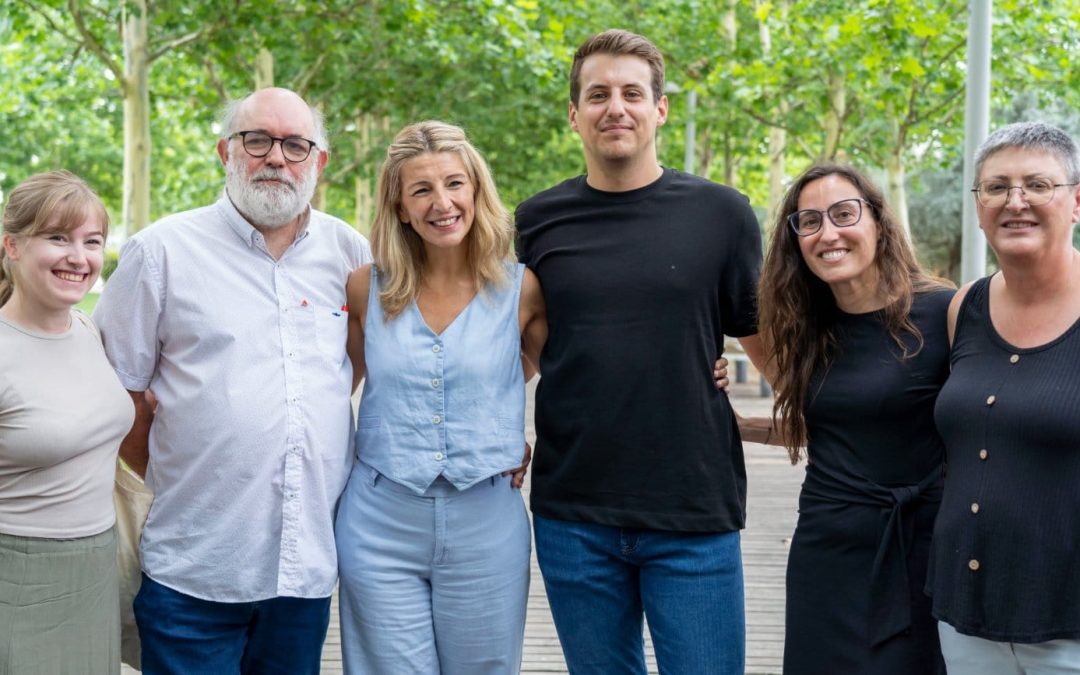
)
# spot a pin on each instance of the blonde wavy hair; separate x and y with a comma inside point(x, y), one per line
point(46, 203)
point(399, 251)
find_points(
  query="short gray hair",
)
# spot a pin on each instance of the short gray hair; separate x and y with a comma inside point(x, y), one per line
point(228, 122)
point(1032, 136)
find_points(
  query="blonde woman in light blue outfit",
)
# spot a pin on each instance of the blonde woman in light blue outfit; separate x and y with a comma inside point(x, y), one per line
point(432, 534)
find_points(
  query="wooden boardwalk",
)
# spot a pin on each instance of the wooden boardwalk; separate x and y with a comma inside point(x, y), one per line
point(771, 513)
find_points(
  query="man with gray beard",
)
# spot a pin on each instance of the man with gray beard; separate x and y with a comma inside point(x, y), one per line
point(232, 317)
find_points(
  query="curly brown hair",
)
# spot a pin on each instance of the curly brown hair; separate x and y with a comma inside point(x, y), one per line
point(796, 308)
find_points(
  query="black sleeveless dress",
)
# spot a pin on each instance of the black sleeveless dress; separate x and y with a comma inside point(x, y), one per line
point(857, 565)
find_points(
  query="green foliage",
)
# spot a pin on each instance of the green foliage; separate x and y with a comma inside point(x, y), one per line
point(112, 259)
point(499, 68)
point(58, 108)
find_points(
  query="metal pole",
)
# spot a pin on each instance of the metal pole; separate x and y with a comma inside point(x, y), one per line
point(976, 127)
point(690, 158)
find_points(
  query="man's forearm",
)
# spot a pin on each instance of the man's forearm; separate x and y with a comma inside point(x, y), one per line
point(135, 448)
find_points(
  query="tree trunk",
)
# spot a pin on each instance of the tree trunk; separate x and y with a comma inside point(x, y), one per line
point(136, 88)
point(777, 138)
point(730, 22)
point(731, 35)
point(264, 69)
point(364, 193)
point(777, 150)
point(897, 192)
point(834, 118)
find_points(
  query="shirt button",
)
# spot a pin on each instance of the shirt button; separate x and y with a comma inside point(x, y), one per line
point(983, 453)
point(973, 565)
point(436, 348)
point(439, 456)
point(990, 399)
point(1014, 358)
point(435, 419)
point(975, 507)
point(436, 382)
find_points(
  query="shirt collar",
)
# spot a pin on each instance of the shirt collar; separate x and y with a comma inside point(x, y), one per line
point(246, 231)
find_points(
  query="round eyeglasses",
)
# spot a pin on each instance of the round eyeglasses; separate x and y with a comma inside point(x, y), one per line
point(259, 144)
point(844, 213)
point(993, 194)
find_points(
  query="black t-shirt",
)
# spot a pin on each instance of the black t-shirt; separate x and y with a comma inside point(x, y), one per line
point(870, 414)
point(641, 287)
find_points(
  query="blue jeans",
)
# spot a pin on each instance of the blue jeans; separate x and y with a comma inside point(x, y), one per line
point(183, 635)
point(600, 579)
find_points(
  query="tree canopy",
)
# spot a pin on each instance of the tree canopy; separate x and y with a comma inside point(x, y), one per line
point(779, 84)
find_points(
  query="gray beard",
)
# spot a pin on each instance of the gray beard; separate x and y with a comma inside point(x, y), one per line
point(265, 205)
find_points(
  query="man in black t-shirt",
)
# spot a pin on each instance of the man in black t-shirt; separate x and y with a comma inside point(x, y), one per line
point(639, 483)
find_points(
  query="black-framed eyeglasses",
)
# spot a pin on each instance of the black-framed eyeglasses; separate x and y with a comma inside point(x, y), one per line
point(993, 194)
point(844, 213)
point(259, 144)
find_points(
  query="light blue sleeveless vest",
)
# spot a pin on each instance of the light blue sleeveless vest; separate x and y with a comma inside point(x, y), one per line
point(450, 404)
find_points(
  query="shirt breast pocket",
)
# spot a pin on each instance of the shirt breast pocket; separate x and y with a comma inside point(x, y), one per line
point(331, 327)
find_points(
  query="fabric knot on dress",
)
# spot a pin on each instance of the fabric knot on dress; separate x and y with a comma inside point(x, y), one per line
point(891, 613)
point(905, 494)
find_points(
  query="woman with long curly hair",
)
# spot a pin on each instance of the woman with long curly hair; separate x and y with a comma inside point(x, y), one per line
point(855, 334)
point(433, 542)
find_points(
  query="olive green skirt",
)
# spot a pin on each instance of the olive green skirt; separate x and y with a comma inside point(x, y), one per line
point(59, 606)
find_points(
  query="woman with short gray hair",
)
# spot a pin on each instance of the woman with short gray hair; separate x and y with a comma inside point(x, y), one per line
point(1005, 570)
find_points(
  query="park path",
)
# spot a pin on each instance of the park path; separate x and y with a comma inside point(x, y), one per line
point(771, 513)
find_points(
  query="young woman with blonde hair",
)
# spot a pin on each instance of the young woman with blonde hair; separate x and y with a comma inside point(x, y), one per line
point(63, 413)
point(433, 541)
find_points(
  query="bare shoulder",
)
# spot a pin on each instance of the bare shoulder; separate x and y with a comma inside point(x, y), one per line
point(954, 308)
point(357, 290)
point(532, 295)
point(359, 284)
point(530, 285)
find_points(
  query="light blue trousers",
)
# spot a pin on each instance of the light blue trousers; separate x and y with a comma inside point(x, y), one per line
point(969, 655)
point(435, 583)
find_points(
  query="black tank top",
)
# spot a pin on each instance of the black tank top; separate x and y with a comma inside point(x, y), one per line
point(1006, 559)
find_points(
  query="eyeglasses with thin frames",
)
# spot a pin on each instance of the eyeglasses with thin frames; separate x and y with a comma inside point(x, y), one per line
point(844, 213)
point(294, 149)
point(993, 194)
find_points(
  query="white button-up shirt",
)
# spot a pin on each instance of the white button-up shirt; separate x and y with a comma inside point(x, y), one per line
point(250, 445)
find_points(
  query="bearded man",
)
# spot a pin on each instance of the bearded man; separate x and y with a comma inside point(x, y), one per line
point(232, 317)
